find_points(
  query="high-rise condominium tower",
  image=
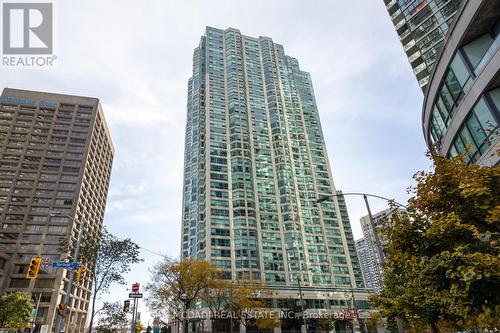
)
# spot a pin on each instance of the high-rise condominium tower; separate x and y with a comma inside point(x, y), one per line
point(255, 163)
point(55, 164)
point(371, 254)
point(421, 26)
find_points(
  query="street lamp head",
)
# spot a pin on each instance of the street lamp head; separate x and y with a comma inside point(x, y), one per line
point(184, 297)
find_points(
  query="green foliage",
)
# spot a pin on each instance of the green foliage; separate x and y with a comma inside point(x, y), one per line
point(113, 318)
point(443, 262)
point(15, 310)
point(112, 259)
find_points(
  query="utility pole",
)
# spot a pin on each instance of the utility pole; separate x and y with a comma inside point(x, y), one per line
point(60, 320)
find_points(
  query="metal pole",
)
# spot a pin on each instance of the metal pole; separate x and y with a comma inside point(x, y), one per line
point(375, 234)
point(186, 320)
point(132, 329)
point(36, 312)
point(60, 326)
point(302, 302)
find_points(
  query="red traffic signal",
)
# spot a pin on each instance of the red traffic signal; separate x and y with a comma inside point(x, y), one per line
point(33, 268)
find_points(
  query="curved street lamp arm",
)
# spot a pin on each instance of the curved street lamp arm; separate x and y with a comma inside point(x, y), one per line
point(326, 197)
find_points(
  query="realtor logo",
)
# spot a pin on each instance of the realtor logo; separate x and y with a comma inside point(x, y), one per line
point(27, 28)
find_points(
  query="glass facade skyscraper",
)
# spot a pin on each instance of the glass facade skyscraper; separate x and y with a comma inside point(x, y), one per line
point(255, 164)
point(421, 26)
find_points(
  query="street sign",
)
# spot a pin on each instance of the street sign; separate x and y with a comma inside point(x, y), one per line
point(64, 264)
point(135, 287)
point(135, 295)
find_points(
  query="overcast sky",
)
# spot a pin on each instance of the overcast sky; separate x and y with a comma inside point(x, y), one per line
point(136, 57)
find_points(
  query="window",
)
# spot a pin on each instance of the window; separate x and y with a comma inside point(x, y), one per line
point(479, 129)
point(476, 49)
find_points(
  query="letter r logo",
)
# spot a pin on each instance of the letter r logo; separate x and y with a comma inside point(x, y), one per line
point(27, 28)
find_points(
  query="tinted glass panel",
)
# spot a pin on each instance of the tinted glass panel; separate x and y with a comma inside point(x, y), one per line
point(477, 48)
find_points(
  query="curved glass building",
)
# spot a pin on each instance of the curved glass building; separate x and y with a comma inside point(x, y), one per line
point(462, 102)
point(421, 26)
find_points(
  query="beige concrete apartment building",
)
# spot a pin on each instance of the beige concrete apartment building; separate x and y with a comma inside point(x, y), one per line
point(55, 156)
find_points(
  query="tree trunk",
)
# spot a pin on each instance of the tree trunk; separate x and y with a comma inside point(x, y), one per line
point(434, 328)
point(92, 313)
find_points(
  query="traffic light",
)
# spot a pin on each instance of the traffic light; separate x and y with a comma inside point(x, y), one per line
point(33, 268)
point(80, 273)
point(126, 306)
point(60, 309)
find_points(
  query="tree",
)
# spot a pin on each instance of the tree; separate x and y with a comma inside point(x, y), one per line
point(15, 310)
point(443, 263)
point(171, 279)
point(113, 318)
point(112, 259)
point(248, 294)
point(201, 282)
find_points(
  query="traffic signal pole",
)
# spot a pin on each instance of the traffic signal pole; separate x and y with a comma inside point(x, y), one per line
point(69, 287)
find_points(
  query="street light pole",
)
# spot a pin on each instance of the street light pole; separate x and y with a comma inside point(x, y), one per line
point(299, 282)
point(375, 234)
point(326, 197)
point(302, 302)
point(184, 299)
point(378, 244)
point(69, 287)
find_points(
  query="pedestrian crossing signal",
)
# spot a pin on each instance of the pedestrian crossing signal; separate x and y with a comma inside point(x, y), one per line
point(33, 268)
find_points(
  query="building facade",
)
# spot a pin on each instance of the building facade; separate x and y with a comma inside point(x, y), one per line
point(421, 26)
point(255, 163)
point(462, 103)
point(55, 165)
point(369, 263)
point(371, 255)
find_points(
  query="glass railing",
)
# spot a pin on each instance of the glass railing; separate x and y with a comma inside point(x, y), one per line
point(396, 13)
point(390, 4)
point(414, 56)
point(488, 55)
point(409, 45)
point(400, 24)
